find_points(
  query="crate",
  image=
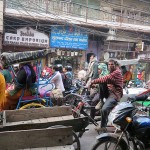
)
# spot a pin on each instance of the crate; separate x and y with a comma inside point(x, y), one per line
point(40, 128)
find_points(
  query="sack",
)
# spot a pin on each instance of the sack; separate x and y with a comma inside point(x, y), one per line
point(57, 93)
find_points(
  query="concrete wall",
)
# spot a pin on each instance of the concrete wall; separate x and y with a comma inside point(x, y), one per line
point(1, 16)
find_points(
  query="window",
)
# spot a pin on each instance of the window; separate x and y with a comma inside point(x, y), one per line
point(66, 6)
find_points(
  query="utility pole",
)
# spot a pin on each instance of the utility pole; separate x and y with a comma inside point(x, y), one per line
point(87, 2)
point(121, 11)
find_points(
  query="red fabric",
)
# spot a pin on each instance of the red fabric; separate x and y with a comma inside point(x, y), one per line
point(147, 91)
point(49, 70)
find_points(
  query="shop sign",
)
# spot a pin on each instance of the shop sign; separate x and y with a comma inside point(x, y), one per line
point(27, 37)
point(114, 55)
point(144, 56)
point(68, 37)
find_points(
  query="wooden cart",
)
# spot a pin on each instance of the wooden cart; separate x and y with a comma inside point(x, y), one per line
point(39, 128)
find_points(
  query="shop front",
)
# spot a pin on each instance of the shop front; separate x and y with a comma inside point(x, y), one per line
point(25, 39)
point(144, 58)
point(71, 44)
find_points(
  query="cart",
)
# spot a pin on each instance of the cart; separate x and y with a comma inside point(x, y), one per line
point(41, 128)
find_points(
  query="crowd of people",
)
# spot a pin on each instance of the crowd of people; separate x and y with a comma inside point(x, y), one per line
point(23, 80)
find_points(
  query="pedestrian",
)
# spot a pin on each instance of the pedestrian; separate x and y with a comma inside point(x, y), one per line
point(81, 74)
point(56, 78)
point(68, 77)
point(60, 67)
point(114, 82)
point(7, 75)
point(127, 75)
point(2, 91)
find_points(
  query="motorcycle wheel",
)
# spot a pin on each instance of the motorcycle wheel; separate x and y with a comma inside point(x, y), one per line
point(109, 144)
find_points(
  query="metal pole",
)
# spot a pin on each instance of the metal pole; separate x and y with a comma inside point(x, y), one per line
point(87, 2)
point(121, 10)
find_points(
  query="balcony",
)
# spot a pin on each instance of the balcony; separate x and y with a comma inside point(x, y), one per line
point(105, 16)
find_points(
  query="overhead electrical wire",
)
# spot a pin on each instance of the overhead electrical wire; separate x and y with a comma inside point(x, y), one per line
point(105, 12)
point(103, 32)
point(96, 10)
point(106, 34)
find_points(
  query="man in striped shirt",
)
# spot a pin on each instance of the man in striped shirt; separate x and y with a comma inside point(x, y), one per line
point(114, 82)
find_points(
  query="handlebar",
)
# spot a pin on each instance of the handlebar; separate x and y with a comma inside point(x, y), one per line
point(139, 98)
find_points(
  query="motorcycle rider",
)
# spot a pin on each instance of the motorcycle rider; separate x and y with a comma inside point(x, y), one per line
point(114, 82)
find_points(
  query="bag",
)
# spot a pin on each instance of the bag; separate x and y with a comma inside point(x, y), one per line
point(57, 93)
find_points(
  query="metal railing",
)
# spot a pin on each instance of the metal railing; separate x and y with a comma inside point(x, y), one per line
point(76, 10)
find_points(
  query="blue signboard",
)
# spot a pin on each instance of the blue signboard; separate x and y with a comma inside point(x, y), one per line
point(68, 37)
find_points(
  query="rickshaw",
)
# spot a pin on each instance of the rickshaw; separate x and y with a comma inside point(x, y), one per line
point(42, 86)
point(40, 99)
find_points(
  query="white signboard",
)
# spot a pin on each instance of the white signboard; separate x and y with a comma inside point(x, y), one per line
point(144, 56)
point(28, 37)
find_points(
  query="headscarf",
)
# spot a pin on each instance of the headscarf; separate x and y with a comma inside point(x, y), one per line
point(105, 71)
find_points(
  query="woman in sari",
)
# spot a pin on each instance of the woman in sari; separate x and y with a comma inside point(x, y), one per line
point(2, 91)
point(25, 80)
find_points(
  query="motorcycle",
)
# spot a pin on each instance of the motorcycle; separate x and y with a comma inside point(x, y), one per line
point(135, 128)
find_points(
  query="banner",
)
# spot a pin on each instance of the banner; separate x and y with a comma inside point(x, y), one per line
point(28, 37)
point(68, 37)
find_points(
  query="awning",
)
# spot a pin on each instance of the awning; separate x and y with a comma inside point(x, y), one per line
point(19, 57)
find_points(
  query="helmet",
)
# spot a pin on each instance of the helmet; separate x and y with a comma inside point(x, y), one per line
point(69, 68)
point(60, 67)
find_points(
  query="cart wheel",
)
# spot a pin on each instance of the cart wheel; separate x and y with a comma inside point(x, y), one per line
point(76, 141)
point(31, 105)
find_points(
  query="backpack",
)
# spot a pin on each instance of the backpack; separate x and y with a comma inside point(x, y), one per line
point(67, 83)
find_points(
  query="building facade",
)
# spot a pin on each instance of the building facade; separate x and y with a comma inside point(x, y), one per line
point(115, 27)
point(1, 24)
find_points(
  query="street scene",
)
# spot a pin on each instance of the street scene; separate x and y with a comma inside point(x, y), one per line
point(75, 74)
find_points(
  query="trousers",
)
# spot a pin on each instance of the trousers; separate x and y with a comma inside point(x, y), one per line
point(109, 104)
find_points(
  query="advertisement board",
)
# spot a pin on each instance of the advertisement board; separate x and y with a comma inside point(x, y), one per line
point(28, 37)
point(68, 37)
